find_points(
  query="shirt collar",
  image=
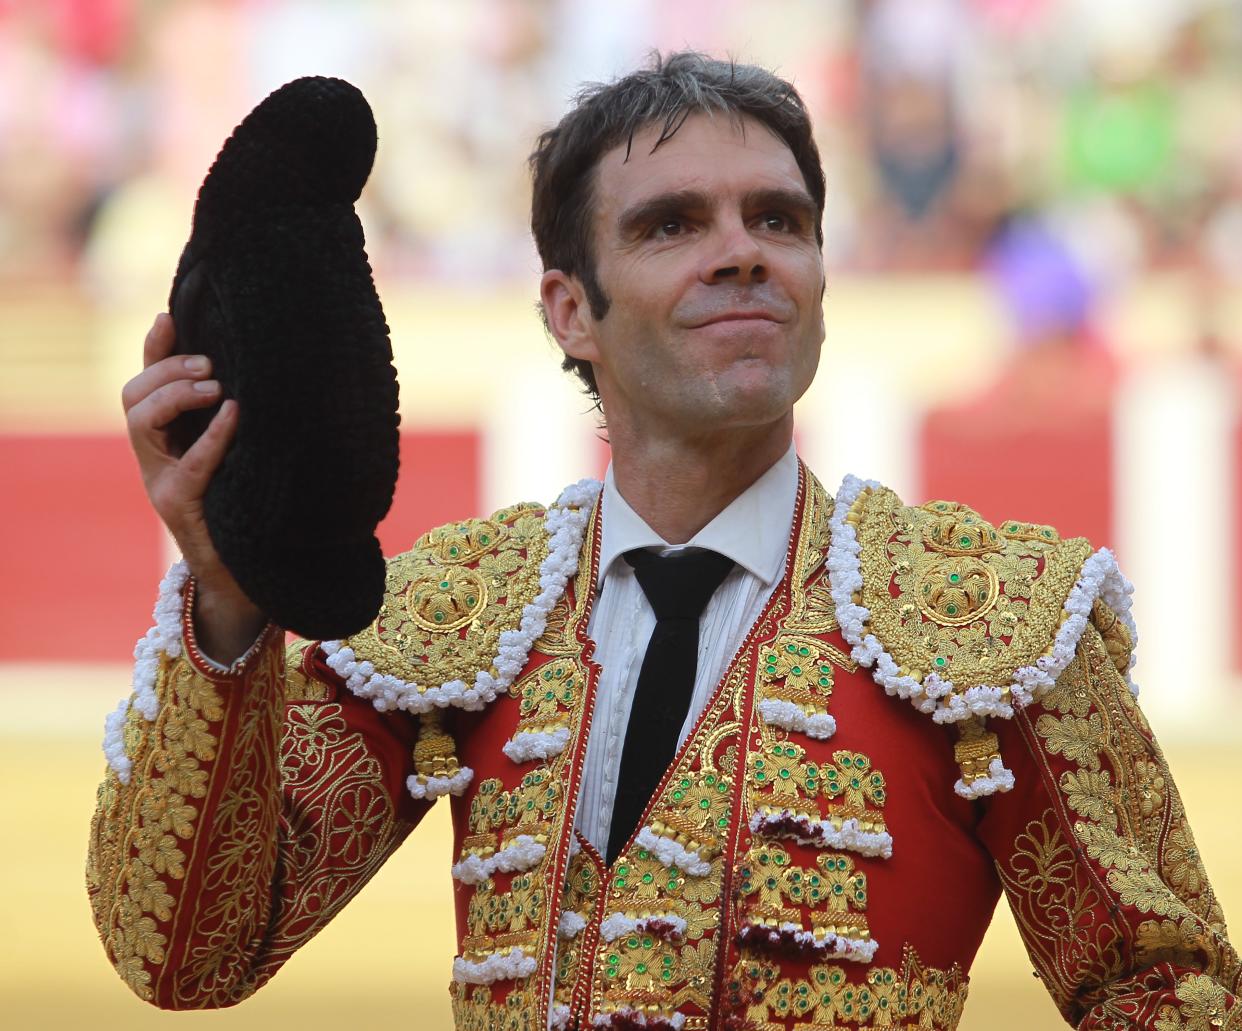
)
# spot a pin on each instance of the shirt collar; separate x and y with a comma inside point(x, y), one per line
point(753, 529)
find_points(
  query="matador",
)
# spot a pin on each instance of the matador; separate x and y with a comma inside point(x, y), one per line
point(896, 712)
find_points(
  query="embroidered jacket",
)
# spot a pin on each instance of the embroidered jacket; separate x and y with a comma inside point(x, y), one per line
point(930, 710)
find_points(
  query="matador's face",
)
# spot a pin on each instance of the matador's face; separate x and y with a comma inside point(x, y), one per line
point(707, 251)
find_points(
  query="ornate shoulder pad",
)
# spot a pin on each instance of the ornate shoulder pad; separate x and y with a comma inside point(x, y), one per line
point(463, 607)
point(963, 618)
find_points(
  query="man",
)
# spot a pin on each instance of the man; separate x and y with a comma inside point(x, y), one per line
point(680, 797)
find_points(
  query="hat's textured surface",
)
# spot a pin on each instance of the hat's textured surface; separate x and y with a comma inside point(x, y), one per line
point(274, 286)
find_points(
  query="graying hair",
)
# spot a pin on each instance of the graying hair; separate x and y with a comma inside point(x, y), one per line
point(604, 115)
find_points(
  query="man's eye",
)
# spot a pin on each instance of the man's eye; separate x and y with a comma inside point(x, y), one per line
point(670, 227)
point(776, 222)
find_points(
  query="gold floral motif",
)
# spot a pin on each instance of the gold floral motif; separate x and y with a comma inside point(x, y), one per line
point(339, 827)
point(580, 896)
point(536, 798)
point(1117, 796)
point(444, 598)
point(998, 615)
point(1017, 531)
point(548, 695)
point(909, 996)
point(474, 1009)
point(833, 891)
point(956, 529)
point(448, 599)
point(799, 669)
point(1202, 1005)
point(780, 778)
point(139, 834)
point(298, 686)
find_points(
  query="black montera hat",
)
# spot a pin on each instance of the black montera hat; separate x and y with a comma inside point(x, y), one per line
point(274, 286)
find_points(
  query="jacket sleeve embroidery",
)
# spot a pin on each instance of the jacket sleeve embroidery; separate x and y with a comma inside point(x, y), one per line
point(250, 818)
point(1098, 859)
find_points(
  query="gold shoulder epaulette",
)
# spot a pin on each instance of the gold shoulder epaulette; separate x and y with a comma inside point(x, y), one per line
point(449, 598)
point(463, 607)
point(964, 618)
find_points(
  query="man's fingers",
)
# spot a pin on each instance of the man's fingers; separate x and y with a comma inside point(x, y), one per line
point(164, 404)
point(168, 370)
point(160, 340)
point(200, 463)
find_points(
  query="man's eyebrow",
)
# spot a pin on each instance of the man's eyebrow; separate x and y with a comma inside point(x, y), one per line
point(797, 202)
point(635, 217)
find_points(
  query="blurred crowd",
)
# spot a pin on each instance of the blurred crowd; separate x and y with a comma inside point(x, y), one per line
point(1061, 146)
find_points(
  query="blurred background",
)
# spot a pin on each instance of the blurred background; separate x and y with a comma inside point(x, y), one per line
point(1034, 244)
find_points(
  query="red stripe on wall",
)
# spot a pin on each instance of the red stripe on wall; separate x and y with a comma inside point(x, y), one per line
point(1060, 476)
point(81, 551)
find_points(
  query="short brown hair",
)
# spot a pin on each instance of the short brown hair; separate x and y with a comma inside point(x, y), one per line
point(606, 114)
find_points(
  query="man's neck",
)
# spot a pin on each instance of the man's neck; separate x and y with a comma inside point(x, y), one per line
point(678, 486)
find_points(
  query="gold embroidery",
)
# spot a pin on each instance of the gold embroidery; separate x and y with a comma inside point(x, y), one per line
point(435, 751)
point(1055, 905)
point(448, 599)
point(129, 877)
point(474, 1009)
point(582, 886)
point(298, 686)
point(976, 749)
point(339, 828)
point(910, 996)
point(549, 695)
point(799, 669)
point(1126, 817)
point(1202, 1005)
point(834, 892)
point(971, 605)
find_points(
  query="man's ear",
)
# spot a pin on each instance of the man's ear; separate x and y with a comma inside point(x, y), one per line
point(568, 314)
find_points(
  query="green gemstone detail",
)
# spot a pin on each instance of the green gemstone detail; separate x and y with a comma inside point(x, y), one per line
point(825, 682)
point(954, 577)
point(439, 617)
point(965, 542)
point(444, 585)
point(796, 671)
point(952, 610)
point(647, 878)
point(785, 774)
point(940, 660)
point(704, 803)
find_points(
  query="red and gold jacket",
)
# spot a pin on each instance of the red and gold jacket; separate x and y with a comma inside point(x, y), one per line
point(930, 710)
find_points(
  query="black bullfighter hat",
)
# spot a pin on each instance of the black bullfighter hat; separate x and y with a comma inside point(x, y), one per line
point(274, 286)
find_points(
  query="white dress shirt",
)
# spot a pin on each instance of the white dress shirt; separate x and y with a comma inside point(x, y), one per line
point(753, 531)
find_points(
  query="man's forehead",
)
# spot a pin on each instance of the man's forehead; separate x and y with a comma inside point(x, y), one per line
point(704, 146)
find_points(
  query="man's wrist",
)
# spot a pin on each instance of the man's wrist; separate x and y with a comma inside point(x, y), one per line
point(226, 623)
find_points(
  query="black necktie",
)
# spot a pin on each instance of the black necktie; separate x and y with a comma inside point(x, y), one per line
point(678, 587)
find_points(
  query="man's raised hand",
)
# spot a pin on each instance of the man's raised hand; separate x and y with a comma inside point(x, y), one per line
point(227, 621)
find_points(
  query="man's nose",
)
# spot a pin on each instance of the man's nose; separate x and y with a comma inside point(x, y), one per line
point(737, 258)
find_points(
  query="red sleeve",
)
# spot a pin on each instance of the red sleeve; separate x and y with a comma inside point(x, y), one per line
point(254, 806)
point(1098, 860)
